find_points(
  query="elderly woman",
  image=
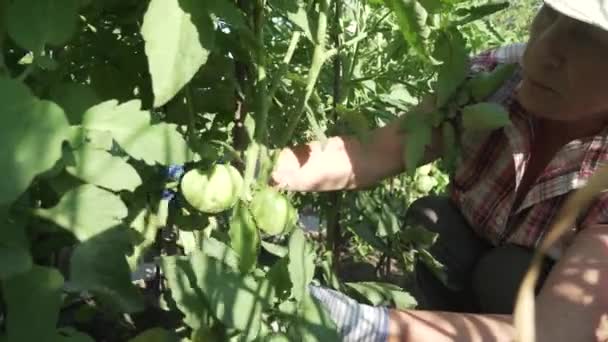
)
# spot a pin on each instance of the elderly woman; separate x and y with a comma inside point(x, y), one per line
point(504, 196)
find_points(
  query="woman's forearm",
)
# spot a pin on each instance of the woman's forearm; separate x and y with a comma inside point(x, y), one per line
point(345, 163)
point(436, 326)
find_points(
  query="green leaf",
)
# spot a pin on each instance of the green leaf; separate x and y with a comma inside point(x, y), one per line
point(178, 39)
point(31, 134)
point(79, 137)
point(274, 249)
point(449, 146)
point(226, 291)
point(278, 276)
point(473, 13)
point(160, 143)
point(484, 116)
point(364, 232)
point(221, 252)
point(34, 23)
point(75, 99)
point(124, 121)
point(146, 224)
point(384, 294)
point(435, 266)
point(86, 211)
point(15, 256)
point(130, 127)
point(188, 297)
point(72, 335)
point(301, 264)
point(223, 290)
point(101, 168)
point(99, 265)
point(32, 303)
point(228, 12)
point(412, 18)
point(418, 136)
point(419, 236)
point(312, 323)
point(450, 48)
point(487, 83)
point(155, 335)
point(244, 237)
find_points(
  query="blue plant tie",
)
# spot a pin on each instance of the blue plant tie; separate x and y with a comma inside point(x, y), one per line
point(168, 194)
point(175, 172)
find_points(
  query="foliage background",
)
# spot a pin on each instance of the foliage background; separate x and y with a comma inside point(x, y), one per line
point(103, 102)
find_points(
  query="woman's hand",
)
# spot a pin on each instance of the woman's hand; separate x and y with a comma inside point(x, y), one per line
point(287, 173)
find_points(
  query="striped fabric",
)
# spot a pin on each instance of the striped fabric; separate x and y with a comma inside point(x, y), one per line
point(493, 164)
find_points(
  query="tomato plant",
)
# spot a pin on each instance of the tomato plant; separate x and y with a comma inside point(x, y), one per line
point(137, 137)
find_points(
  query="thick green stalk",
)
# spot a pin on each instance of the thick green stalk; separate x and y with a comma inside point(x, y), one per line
point(333, 211)
point(318, 59)
point(261, 122)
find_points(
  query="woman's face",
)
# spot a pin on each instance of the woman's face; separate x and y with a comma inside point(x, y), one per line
point(565, 69)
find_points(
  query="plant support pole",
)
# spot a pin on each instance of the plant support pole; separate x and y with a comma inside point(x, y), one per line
point(333, 213)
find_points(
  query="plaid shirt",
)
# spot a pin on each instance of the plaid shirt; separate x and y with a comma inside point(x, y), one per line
point(493, 164)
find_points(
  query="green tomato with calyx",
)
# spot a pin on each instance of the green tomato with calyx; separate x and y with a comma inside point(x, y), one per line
point(214, 190)
point(272, 212)
point(426, 183)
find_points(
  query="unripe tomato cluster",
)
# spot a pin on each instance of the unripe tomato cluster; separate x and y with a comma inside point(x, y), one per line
point(219, 188)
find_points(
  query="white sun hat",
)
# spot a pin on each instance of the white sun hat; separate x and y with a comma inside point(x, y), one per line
point(594, 12)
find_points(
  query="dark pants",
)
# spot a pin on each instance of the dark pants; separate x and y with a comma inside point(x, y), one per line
point(482, 278)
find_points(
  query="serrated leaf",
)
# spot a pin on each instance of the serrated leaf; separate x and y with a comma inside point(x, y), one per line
point(160, 143)
point(484, 116)
point(487, 83)
point(15, 256)
point(31, 134)
point(99, 265)
point(79, 137)
point(34, 23)
point(124, 121)
point(86, 211)
point(130, 127)
point(32, 303)
point(102, 169)
point(177, 41)
point(450, 48)
point(301, 264)
point(384, 294)
point(244, 237)
point(155, 335)
point(412, 18)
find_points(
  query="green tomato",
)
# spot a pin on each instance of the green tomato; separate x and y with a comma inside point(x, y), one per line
point(426, 183)
point(425, 169)
point(272, 212)
point(214, 190)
